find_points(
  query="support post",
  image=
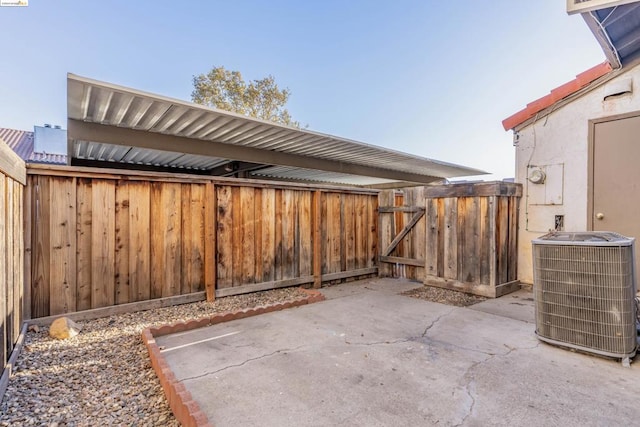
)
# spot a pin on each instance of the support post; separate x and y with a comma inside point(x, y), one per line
point(317, 239)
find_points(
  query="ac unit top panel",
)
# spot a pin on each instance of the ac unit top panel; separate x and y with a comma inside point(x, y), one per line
point(586, 238)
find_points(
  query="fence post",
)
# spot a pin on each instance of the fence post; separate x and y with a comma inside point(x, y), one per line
point(317, 239)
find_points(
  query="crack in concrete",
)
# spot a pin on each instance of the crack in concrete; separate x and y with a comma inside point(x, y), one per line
point(467, 388)
point(253, 359)
point(402, 340)
point(434, 322)
point(471, 377)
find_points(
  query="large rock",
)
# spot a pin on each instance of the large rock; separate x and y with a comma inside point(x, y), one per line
point(64, 328)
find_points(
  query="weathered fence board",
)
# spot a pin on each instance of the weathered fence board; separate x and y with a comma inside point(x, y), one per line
point(139, 243)
point(466, 240)
point(479, 231)
point(12, 263)
point(125, 237)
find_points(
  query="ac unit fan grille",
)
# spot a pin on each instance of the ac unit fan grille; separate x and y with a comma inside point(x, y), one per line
point(584, 296)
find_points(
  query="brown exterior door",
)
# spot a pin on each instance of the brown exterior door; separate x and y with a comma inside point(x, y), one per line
point(616, 178)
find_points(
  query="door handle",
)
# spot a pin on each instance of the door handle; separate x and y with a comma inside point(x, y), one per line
point(600, 215)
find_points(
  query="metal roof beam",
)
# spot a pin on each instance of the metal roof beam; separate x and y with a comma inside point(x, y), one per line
point(79, 130)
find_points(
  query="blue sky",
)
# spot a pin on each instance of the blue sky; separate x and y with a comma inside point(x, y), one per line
point(430, 78)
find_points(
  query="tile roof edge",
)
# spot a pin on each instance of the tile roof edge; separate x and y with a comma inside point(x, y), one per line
point(561, 92)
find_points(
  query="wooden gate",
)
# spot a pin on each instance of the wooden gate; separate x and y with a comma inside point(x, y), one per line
point(402, 231)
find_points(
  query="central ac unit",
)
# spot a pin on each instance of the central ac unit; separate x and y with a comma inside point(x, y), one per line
point(584, 290)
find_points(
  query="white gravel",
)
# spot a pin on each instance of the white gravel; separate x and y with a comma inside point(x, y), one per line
point(103, 377)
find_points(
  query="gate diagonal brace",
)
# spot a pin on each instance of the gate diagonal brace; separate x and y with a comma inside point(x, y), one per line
point(414, 220)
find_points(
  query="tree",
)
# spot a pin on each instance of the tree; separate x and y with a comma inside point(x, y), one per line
point(227, 90)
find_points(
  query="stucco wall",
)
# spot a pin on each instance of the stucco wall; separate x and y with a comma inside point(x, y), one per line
point(558, 144)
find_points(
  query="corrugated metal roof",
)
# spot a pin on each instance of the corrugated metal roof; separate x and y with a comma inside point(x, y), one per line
point(88, 150)
point(48, 158)
point(91, 101)
point(20, 141)
point(301, 174)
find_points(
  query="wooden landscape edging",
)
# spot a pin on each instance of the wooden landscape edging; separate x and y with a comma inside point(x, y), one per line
point(98, 239)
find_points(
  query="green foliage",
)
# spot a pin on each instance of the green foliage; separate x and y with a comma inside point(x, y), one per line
point(227, 90)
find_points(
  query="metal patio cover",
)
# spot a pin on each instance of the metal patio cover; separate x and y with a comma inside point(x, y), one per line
point(110, 124)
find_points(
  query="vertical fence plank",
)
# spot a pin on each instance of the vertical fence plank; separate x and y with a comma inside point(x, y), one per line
point(83, 243)
point(335, 237)
point(407, 242)
point(493, 256)
point(441, 222)
point(236, 249)
point(140, 232)
point(484, 241)
point(512, 267)
point(386, 229)
point(373, 245)
point(324, 232)
point(431, 238)
point(63, 246)
point(471, 264)
point(40, 281)
point(157, 249)
point(247, 236)
point(278, 243)
point(122, 281)
point(296, 234)
point(171, 212)
point(502, 239)
point(4, 268)
point(210, 241)
point(305, 234)
point(225, 237)
point(192, 238)
point(317, 238)
point(258, 215)
point(9, 287)
point(28, 235)
point(420, 230)
point(195, 263)
point(187, 239)
point(268, 217)
point(18, 272)
point(349, 235)
point(360, 234)
point(102, 244)
point(288, 233)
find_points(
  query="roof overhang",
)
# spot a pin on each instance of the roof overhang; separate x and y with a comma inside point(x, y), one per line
point(118, 125)
point(617, 31)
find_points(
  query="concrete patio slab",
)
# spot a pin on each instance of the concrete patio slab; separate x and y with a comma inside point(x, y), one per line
point(368, 356)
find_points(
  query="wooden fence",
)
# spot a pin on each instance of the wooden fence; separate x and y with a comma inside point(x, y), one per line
point(456, 236)
point(104, 238)
point(12, 180)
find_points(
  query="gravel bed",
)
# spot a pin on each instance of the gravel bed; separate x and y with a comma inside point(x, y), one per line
point(444, 296)
point(103, 377)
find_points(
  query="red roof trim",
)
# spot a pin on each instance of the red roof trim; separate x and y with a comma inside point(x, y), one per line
point(569, 88)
